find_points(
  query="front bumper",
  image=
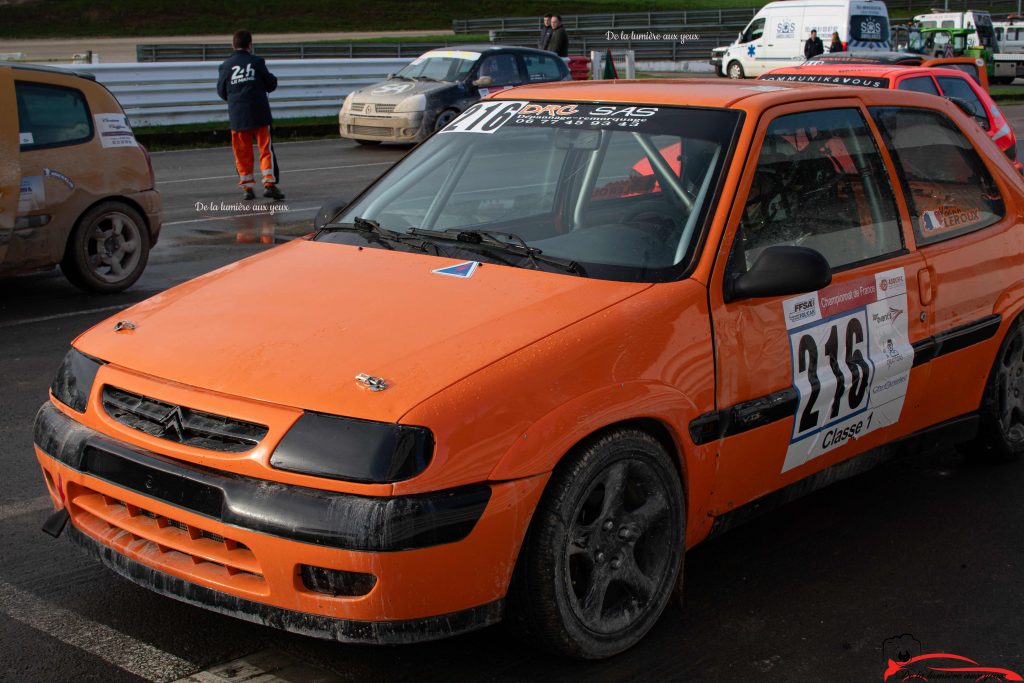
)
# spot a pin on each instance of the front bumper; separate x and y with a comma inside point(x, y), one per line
point(406, 127)
point(442, 561)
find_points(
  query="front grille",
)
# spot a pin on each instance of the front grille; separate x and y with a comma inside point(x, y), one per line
point(369, 130)
point(358, 107)
point(180, 424)
point(383, 108)
point(166, 543)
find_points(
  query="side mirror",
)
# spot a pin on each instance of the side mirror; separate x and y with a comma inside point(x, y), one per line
point(966, 108)
point(780, 271)
point(330, 210)
point(739, 37)
point(484, 82)
point(389, 76)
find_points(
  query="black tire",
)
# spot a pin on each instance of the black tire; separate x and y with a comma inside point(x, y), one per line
point(368, 143)
point(445, 117)
point(735, 71)
point(108, 248)
point(1001, 432)
point(604, 549)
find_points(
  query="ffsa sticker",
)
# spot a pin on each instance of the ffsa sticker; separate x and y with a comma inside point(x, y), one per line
point(851, 357)
point(485, 117)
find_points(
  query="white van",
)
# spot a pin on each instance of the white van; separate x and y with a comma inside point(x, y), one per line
point(979, 20)
point(1010, 35)
point(776, 35)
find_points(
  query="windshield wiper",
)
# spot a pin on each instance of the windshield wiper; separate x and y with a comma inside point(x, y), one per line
point(382, 235)
point(427, 78)
point(404, 78)
point(506, 242)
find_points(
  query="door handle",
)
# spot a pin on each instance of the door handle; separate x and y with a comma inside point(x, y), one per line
point(924, 285)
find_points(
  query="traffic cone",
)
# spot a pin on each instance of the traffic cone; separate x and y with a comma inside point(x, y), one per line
point(609, 66)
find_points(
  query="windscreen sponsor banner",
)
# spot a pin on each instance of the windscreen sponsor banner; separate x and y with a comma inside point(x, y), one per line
point(870, 8)
point(851, 359)
point(863, 81)
point(491, 115)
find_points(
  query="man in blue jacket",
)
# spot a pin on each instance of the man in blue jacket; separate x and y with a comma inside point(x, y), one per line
point(244, 82)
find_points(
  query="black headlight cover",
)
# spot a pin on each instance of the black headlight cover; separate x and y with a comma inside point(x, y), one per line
point(349, 449)
point(74, 379)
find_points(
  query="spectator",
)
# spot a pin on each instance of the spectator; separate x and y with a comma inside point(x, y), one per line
point(545, 33)
point(813, 47)
point(559, 41)
point(244, 81)
point(836, 45)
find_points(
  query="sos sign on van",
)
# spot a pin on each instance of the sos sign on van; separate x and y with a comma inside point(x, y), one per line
point(851, 358)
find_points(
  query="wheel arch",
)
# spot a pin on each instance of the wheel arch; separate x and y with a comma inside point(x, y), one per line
point(657, 409)
point(116, 198)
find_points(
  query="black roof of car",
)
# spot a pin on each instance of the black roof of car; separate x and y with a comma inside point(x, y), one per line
point(491, 47)
point(873, 57)
point(49, 69)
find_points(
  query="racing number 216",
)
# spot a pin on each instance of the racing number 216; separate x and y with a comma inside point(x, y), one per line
point(844, 347)
point(484, 117)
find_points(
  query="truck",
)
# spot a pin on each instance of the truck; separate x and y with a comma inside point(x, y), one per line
point(776, 35)
point(1003, 66)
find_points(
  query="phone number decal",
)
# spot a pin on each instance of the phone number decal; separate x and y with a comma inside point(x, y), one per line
point(851, 356)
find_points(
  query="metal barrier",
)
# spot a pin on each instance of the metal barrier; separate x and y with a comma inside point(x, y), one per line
point(203, 52)
point(578, 45)
point(611, 21)
point(186, 92)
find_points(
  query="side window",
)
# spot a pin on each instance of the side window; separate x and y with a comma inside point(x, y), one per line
point(820, 183)
point(961, 90)
point(949, 191)
point(923, 84)
point(50, 115)
point(502, 69)
point(542, 67)
point(753, 32)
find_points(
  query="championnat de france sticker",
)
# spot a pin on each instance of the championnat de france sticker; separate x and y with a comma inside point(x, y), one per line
point(851, 358)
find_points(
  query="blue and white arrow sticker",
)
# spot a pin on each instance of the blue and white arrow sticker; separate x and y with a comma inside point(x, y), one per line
point(463, 270)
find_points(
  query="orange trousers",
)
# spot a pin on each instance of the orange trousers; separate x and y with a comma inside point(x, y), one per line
point(241, 144)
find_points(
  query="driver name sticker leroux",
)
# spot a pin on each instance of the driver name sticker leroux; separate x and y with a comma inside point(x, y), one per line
point(851, 358)
point(485, 117)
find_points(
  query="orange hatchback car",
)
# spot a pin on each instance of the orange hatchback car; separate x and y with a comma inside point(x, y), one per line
point(579, 330)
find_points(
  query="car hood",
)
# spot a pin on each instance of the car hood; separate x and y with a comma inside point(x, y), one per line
point(394, 90)
point(295, 325)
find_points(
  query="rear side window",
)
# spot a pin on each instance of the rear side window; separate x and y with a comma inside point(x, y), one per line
point(949, 190)
point(502, 69)
point(961, 90)
point(820, 183)
point(920, 84)
point(543, 67)
point(51, 116)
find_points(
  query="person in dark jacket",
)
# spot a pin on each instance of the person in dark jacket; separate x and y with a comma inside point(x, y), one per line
point(545, 33)
point(244, 81)
point(559, 41)
point(813, 47)
point(836, 45)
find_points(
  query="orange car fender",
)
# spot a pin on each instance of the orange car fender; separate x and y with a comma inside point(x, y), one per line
point(1010, 303)
point(540, 448)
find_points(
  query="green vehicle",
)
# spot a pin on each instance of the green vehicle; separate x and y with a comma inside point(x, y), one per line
point(952, 42)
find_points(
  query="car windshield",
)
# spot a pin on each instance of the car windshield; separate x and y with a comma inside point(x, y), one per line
point(450, 65)
point(621, 190)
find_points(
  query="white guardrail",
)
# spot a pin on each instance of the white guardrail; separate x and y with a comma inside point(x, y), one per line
point(164, 93)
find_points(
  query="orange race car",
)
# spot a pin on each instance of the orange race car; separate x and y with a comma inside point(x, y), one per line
point(486, 390)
